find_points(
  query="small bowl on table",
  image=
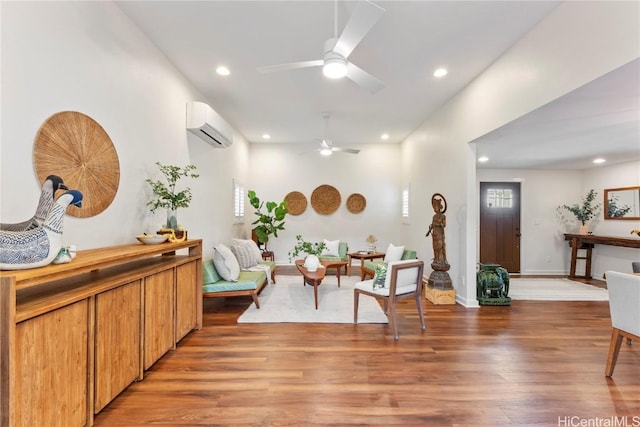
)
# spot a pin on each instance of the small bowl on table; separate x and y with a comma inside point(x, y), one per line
point(151, 239)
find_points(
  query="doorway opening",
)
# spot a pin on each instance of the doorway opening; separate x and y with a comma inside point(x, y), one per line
point(500, 224)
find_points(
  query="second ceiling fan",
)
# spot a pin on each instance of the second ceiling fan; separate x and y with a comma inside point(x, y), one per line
point(337, 49)
point(326, 146)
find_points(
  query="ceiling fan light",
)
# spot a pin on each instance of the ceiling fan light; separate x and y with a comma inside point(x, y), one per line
point(334, 68)
point(325, 151)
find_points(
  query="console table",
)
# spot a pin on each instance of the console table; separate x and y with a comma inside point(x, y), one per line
point(73, 336)
point(587, 242)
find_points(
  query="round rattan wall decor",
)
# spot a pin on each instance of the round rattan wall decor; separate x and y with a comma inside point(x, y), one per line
point(356, 203)
point(296, 203)
point(325, 199)
point(75, 147)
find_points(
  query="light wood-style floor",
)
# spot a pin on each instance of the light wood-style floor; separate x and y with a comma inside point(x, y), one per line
point(530, 364)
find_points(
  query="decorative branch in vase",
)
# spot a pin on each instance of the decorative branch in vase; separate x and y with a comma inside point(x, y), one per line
point(583, 212)
point(165, 194)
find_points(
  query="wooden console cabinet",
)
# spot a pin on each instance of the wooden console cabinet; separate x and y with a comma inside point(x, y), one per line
point(73, 336)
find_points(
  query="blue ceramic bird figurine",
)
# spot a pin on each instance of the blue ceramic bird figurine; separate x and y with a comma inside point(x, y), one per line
point(47, 199)
point(38, 246)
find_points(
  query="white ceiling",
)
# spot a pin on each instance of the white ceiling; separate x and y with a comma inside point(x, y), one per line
point(403, 49)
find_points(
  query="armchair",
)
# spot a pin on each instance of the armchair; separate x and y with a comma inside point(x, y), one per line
point(403, 280)
point(624, 304)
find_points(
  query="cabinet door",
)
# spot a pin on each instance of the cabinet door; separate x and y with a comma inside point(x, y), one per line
point(117, 337)
point(158, 316)
point(52, 368)
point(186, 299)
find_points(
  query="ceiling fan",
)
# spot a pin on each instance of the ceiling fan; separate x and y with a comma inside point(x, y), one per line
point(337, 49)
point(326, 147)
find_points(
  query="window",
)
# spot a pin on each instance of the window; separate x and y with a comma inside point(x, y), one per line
point(238, 201)
point(499, 198)
point(405, 204)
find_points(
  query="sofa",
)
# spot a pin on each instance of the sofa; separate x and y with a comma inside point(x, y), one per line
point(249, 283)
point(368, 267)
point(239, 271)
point(332, 255)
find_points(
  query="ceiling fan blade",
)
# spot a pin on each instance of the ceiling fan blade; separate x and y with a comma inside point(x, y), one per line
point(290, 66)
point(364, 17)
point(345, 150)
point(364, 79)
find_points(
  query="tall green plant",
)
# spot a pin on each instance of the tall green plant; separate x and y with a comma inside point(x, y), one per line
point(585, 211)
point(270, 220)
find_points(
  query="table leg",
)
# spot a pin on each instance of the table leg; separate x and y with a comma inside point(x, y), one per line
point(349, 267)
point(315, 293)
point(574, 257)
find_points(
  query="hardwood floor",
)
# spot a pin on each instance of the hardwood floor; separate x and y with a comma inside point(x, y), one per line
point(530, 364)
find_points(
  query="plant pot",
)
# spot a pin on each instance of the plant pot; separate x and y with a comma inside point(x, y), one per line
point(583, 229)
point(311, 263)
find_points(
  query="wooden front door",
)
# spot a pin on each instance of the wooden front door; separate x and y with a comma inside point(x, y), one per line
point(500, 224)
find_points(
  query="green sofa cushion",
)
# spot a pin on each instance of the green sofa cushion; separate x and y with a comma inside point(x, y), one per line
point(209, 272)
point(246, 280)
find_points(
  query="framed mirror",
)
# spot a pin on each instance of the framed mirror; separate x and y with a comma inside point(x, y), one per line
point(622, 203)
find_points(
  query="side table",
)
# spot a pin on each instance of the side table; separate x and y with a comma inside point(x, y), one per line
point(268, 256)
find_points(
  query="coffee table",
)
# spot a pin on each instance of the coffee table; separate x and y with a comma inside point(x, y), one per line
point(314, 278)
point(362, 256)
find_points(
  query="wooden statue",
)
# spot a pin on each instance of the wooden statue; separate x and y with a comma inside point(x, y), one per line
point(439, 278)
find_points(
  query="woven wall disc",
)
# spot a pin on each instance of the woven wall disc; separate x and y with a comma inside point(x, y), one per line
point(325, 199)
point(356, 203)
point(296, 202)
point(75, 147)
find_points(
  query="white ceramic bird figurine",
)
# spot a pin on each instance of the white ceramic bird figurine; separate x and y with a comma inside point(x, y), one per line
point(38, 246)
point(47, 199)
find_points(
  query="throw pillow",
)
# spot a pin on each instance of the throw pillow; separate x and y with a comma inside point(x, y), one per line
point(331, 248)
point(380, 276)
point(244, 256)
point(209, 273)
point(394, 253)
point(253, 247)
point(226, 263)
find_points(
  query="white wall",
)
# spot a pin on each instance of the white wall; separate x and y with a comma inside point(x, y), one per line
point(574, 44)
point(610, 257)
point(277, 169)
point(89, 57)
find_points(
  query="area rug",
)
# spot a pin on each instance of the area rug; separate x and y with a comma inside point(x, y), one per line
point(288, 301)
point(555, 290)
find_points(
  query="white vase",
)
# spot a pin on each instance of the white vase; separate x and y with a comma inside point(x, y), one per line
point(311, 263)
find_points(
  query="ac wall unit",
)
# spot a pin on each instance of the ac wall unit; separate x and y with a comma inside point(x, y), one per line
point(205, 123)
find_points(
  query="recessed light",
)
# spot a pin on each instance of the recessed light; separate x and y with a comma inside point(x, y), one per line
point(384, 136)
point(266, 136)
point(440, 72)
point(599, 160)
point(483, 159)
point(223, 71)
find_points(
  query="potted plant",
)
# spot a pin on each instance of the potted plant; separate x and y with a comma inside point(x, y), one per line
point(313, 250)
point(166, 195)
point(269, 221)
point(584, 212)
